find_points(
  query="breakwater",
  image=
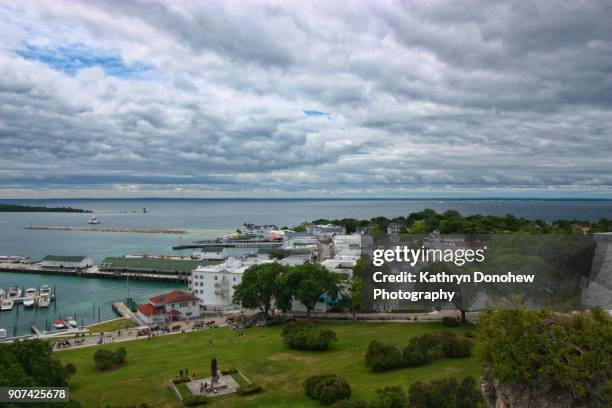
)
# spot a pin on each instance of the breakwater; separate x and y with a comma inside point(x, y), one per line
point(108, 229)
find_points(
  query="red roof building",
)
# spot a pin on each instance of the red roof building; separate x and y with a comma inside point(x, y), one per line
point(170, 306)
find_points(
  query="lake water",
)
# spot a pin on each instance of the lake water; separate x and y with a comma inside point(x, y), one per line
point(202, 218)
point(80, 297)
point(209, 218)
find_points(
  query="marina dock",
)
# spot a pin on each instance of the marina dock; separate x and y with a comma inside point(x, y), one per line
point(108, 229)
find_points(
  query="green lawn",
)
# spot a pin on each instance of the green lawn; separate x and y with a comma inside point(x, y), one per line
point(113, 325)
point(261, 355)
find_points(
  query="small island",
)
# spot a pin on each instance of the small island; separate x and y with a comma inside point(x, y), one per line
point(28, 208)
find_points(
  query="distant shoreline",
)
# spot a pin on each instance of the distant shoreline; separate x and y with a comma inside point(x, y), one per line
point(28, 208)
point(458, 199)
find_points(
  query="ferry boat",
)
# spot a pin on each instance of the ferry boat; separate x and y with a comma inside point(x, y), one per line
point(7, 304)
point(2, 333)
point(43, 301)
point(59, 325)
point(14, 292)
point(93, 220)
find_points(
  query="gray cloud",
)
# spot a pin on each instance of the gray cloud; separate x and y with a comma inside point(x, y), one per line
point(418, 96)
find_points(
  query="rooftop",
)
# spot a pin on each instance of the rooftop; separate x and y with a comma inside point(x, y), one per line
point(61, 258)
point(176, 296)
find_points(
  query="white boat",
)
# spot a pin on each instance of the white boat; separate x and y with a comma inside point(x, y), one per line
point(29, 302)
point(69, 321)
point(93, 220)
point(44, 290)
point(1, 293)
point(59, 325)
point(2, 333)
point(14, 292)
point(7, 304)
point(44, 300)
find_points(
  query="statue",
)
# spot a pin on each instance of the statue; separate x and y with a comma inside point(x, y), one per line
point(213, 369)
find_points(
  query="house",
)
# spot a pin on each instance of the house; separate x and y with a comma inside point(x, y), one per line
point(212, 253)
point(214, 284)
point(175, 305)
point(66, 262)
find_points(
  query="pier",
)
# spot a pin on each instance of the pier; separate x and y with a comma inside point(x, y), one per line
point(108, 229)
point(231, 243)
point(95, 272)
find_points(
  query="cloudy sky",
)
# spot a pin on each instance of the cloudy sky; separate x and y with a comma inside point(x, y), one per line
point(319, 98)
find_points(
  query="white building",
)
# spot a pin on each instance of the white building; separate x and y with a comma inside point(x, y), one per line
point(300, 242)
point(212, 253)
point(214, 284)
point(175, 305)
point(347, 246)
point(343, 266)
point(324, 231)
point(66, 262)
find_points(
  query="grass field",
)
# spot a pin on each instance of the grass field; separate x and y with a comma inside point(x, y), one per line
point(262, 356)
point(112, 325)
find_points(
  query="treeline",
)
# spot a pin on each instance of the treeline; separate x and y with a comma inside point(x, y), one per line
point(261, 284)
point(28, 208)
point(452, 222)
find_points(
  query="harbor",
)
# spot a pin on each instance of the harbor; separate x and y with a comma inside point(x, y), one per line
point(85, 300)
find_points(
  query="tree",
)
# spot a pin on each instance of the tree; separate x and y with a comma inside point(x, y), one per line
point(258, 286)
point(306, 283)
point(542, 350)
point(276, 253)
point(356, 284)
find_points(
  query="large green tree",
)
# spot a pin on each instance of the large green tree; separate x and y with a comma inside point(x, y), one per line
point(258, 286)
point(305, 283)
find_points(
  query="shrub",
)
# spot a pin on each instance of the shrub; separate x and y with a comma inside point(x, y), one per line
point(107, 359)
point(457, 347)
point(249, 389)
point(446, 392)
point(327, 388)
point(194, 400)
point(120, 355)
point(181, 379)
point(450, 321)
point(442, 344)
point(273, 322)
point(104, 359)
point(70, 369)
point(303, 335)
point(352, 404)
point(382, 357)
point(311, 382)
point(412, 357)
point(391, 397)
point(227, 371)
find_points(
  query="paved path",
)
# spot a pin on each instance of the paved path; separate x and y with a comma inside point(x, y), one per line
point(135, 333)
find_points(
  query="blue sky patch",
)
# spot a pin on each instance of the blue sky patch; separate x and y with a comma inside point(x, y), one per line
point(71, 59)
point(310, 112)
